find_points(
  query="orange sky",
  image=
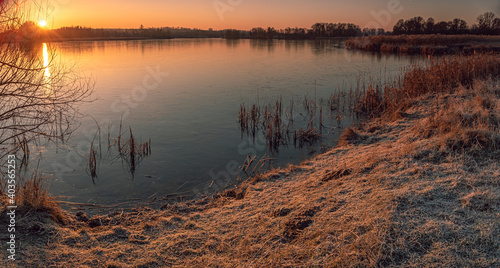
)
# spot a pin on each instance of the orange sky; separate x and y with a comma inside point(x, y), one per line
point(245, 14)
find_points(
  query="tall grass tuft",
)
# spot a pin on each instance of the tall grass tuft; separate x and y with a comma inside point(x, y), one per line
point(33, 196)
point(439, 77)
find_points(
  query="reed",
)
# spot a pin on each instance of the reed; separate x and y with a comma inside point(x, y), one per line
point(426, 44)
point(132, 152)
point(92, 162)
point(276, 122)
point(22, 144)
point(440, 76)
point(119, 138)
point(307, 136)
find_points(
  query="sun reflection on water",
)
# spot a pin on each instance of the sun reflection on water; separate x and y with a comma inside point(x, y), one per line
point(46, 61)
point(46, 74)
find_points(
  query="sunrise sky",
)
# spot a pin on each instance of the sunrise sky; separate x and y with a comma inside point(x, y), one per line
point(245, 14)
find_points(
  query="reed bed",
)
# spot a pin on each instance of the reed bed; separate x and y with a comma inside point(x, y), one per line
point(433, 44)
point(278, 125)
point(366, 99)
point(131, 151)
point(439, 77)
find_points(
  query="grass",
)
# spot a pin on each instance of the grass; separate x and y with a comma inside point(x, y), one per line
point(433, 44)
point(32, 197)
point(130, 151)
point(467, 120)
point(439, 77)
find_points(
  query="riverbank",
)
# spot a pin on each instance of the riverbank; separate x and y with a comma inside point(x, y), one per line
point(433, 44)
point(417, 188)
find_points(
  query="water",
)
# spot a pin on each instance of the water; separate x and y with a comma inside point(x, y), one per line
point(191, 114)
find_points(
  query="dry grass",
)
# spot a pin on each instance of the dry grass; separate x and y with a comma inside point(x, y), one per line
point(32, 197)
point(468, 120)
point(440, 77)
point(433, 44)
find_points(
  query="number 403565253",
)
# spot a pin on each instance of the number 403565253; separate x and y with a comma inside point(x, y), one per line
point(11, 170)
point(11, 183)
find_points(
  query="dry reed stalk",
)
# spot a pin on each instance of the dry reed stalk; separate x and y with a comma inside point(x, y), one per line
point(132, 152)
point(93, 161)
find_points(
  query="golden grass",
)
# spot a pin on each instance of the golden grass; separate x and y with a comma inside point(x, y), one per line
point(32, 196)
point(440, 77)
point(468, 120)
point(433, 44)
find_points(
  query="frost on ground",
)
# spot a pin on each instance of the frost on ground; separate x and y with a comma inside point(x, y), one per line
point(419, 191)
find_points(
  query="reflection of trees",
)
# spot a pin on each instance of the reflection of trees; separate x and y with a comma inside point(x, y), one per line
point(34, 102)
point(259, 44)
point(296, 45)
point(232, 43)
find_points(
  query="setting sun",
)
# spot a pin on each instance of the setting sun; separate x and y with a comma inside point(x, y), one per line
point(42, 23)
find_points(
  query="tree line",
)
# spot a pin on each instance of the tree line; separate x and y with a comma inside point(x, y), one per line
point(317, 30)
point(141, 32)
point(487, 24)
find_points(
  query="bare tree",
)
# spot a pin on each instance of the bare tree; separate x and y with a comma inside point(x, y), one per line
point(37, 95)
point(486, 23)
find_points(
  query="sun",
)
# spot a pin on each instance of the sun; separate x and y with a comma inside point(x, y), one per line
point(42, 23)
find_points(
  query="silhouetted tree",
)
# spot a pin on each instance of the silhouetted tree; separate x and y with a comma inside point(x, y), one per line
point(429, 26)
point(400, 27)
point(258, 33)
point(37, 96)
point(458, 26)
point(232, 34)
point(496, 26)
point(486, 24)
point(415, 25)
point(270, 33)
point(369, 31)
point(319, 29)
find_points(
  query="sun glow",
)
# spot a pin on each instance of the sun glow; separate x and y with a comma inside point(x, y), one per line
point(42, 23)
point(46, 75)
point(46, 60)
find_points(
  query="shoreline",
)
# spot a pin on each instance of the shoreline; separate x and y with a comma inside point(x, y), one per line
point(420, 188)
point(91, 39)
point(427, 45)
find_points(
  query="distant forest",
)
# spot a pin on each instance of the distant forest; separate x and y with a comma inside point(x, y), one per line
point(486, 24)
